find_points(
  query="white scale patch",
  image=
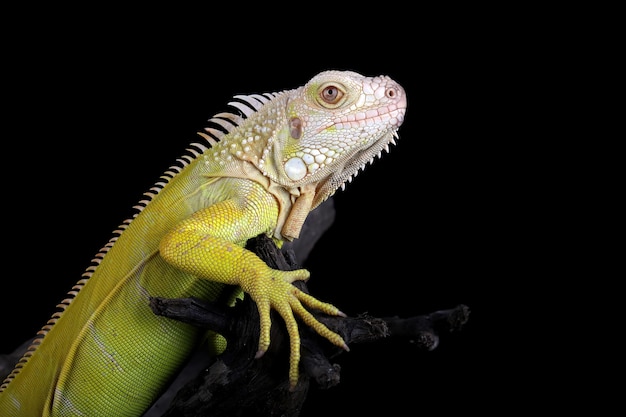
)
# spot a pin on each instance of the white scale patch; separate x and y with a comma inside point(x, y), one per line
point(295, 168)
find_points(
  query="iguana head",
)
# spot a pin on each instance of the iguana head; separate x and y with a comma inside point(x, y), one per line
point(309, 141)
point(334, 125)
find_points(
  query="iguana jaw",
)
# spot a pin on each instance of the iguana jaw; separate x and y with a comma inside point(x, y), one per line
point(312, 194)
point(350, 168)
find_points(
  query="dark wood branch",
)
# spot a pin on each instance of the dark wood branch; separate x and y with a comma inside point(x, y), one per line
point(236, 384)
point(194, 311)
point(424, 330)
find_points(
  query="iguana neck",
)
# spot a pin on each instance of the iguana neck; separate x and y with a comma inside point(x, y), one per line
point(247, 152)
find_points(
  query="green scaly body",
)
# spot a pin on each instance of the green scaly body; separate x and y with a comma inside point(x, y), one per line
point(261, 171)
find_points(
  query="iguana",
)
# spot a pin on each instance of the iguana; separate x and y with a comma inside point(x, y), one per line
point(259, 168)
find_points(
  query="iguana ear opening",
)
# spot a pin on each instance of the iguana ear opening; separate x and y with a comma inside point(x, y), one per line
point(295, 127)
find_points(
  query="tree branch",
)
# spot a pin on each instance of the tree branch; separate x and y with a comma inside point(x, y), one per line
point(236, 384)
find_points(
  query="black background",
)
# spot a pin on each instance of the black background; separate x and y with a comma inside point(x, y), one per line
point(96, 109)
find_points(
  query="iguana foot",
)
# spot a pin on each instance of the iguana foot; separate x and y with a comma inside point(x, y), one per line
point(275, 291)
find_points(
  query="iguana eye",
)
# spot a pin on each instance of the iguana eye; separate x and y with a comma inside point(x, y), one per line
point(331, 95)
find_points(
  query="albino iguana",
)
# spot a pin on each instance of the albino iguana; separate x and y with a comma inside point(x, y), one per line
point(259, 169)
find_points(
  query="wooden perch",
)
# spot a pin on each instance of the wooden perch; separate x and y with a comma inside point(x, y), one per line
point(236, 384)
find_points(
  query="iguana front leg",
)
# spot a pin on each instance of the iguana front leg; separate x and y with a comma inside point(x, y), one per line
point(209, 246)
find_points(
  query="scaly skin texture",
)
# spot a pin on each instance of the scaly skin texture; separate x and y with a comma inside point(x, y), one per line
point(259, 171)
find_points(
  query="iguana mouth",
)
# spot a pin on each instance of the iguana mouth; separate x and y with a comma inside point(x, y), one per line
point(392, 115)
